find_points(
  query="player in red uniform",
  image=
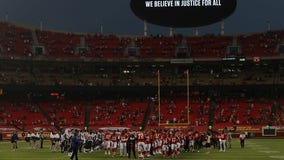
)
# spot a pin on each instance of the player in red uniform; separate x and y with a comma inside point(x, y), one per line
point(165, 145)
point(122, 144)
point(174, 141)
point(141, 144)
point(182, 141)
point(114, 140)
point(191, 142)
point(148, 140)
point(107, 138)
point(222, 139)
point(157, 143)
point(208, 139)
point(215, 140)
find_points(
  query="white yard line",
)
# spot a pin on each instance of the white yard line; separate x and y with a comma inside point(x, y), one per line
point(265, 149)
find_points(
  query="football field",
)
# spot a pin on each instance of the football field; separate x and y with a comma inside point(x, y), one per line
point(255, 149)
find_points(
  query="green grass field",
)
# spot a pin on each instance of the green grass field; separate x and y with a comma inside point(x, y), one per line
point(255, 149)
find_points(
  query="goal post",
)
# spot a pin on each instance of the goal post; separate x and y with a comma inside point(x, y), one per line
point(187, 101)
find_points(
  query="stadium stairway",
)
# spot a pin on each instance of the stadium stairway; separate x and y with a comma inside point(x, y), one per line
point(87, 116)
point(34, 36)
point(147, 114)
point(272, 117)
point(46, 116)
point(211, 113)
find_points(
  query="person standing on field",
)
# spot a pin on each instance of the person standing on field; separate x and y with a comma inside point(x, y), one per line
point(131, 143)
point(75, 145)
point(242, 140)
point(229, 139)
point(14, 140)
point(208, 139)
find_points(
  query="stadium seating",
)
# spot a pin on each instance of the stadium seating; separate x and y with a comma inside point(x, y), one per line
point(261, 44)
point(243, 112)
point(64, 113)
point(16, 40)
point(157, 46)
point(106, 46)
point(117, 113)
point(209, 46)
point(59, 44)
point(24, 116)
point(131, 113)
point(175, 112)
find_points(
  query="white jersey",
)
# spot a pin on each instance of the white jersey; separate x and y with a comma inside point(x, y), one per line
point(56, 137)
point(242, 136)
point(37, 136)
point(51, 136)
point(62, 137)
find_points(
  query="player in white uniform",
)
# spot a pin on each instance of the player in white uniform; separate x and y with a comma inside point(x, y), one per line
point(52, 141)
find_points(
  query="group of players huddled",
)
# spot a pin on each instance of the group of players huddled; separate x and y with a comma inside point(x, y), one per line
point(35, 139)
point(89, 141)
point(168, 143)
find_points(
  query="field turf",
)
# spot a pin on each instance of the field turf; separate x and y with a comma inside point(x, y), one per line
point(255, 149)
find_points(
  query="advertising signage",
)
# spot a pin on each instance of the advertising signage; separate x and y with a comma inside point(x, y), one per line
point(183, 13)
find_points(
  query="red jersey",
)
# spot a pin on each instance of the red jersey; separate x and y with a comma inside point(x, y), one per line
point(174, 139)
point(216, 136)
point(107, 136)
point(123, 138)
point(165, 140)
point(113, 138)
point(147, 139)
point(157, 136)
point(140, 137)
point(223, 136)
point(190, 137)
point(196, 135)
point(182, 135)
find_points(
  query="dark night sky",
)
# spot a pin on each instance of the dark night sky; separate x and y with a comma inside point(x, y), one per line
point(117, 17)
